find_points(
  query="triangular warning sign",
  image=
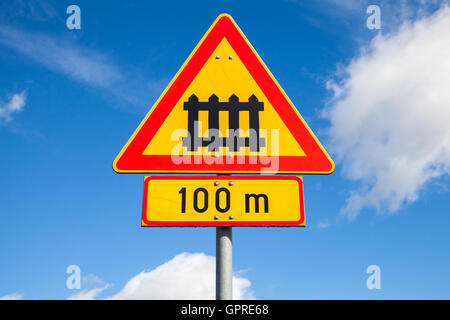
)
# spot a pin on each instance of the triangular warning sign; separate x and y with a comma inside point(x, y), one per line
point(223, 113)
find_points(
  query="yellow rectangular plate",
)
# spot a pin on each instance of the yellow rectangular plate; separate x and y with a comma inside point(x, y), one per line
point(223, 201)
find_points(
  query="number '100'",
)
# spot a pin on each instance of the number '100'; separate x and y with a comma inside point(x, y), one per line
point(202, 206)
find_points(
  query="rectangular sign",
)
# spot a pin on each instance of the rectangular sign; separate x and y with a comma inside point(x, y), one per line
point(223, 201)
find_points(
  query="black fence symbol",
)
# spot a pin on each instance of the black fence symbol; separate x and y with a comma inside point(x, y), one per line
point(233, 141)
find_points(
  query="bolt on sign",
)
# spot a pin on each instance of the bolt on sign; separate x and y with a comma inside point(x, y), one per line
point(223, 113)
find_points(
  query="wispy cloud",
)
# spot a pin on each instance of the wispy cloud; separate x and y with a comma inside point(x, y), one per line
point(79, 63)
point(35, 10)
point(88, 294)
point(390, 115)
point(352, 15)
point(82, 64)
point(14, 105)
point(12, 296)
point(92, 280)
point(323, 224)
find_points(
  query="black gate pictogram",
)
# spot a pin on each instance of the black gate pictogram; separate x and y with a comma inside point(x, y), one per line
point(233, 141)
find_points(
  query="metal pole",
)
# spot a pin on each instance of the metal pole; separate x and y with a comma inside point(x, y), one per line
point(224, 272)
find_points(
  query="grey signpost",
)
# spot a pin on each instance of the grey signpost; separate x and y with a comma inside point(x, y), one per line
point(224, 271)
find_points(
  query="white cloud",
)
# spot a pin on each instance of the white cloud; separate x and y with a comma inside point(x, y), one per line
point(88, 294)
point(13, 296)
point(390, 115)
point(15, 105)
point(323, 224)
point(186, 276)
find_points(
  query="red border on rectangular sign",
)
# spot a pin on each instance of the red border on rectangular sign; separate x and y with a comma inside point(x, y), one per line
point(298, 223)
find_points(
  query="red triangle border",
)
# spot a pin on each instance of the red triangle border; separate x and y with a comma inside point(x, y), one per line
point(131, 159)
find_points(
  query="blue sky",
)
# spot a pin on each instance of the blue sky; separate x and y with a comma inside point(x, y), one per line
point(70, 99)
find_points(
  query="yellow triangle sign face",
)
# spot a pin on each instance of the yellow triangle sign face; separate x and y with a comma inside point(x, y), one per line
point(223, 112)
point(223, 75)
